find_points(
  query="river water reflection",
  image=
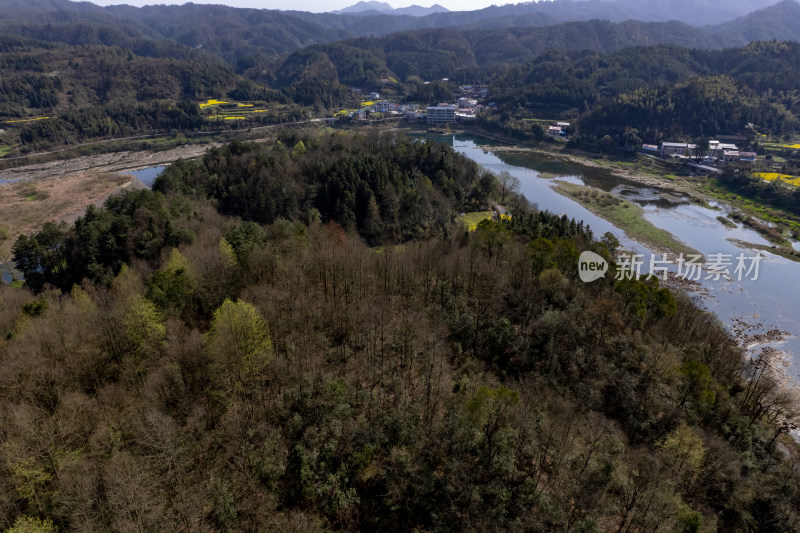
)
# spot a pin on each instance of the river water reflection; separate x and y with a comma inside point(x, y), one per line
point(772, 301)
point(145, 175)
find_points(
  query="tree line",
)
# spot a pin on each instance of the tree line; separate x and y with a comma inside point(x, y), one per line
point(229, 372)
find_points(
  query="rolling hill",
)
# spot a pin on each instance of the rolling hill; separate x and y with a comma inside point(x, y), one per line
point(256, 37)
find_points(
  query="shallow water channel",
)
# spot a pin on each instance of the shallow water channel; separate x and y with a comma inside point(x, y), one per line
point(146, 175)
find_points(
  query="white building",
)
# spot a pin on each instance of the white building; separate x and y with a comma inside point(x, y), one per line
point(441, 114)
point(717, 149)
point(678, 148)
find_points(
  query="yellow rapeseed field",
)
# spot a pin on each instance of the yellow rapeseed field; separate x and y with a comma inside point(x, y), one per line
point(25, 120)
point(772, 176)
point(213, 101)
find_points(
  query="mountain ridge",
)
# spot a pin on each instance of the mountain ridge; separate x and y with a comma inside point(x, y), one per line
point(374, 7)
point(260, 39)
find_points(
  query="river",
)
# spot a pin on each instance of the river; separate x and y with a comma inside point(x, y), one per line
point(146, 175)
point(770, 302)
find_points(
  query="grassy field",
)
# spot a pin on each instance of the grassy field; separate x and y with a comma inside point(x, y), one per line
point(5, 150)
point(627, 216)
point(471, 220)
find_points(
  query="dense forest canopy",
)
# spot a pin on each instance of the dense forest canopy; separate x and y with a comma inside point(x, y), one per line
point(389, 188)
point(219, 370)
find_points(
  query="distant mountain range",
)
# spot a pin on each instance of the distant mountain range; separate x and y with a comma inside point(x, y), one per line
point(377, 8)
point(433, 54)
point(259, 40)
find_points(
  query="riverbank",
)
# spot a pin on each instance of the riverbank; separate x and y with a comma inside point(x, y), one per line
point(773, 224)
point(625, 215)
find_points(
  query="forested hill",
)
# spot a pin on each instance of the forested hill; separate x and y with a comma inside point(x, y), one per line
point(40, 77)
point(218, 370)
point(223, 32)
point(434, 54)
point(388, 189)
point(661, 92)
point(59, 95)
point(83, 23)
point(780, 22)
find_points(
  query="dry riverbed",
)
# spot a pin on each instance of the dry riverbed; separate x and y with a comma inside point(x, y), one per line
point(28, 204)
point(62, 190)
point(111, 162)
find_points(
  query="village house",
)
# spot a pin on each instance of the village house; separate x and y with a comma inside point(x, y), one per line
point(731, 155)
point(678, 148)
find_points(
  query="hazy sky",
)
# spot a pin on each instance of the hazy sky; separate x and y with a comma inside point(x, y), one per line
point(311, 5)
